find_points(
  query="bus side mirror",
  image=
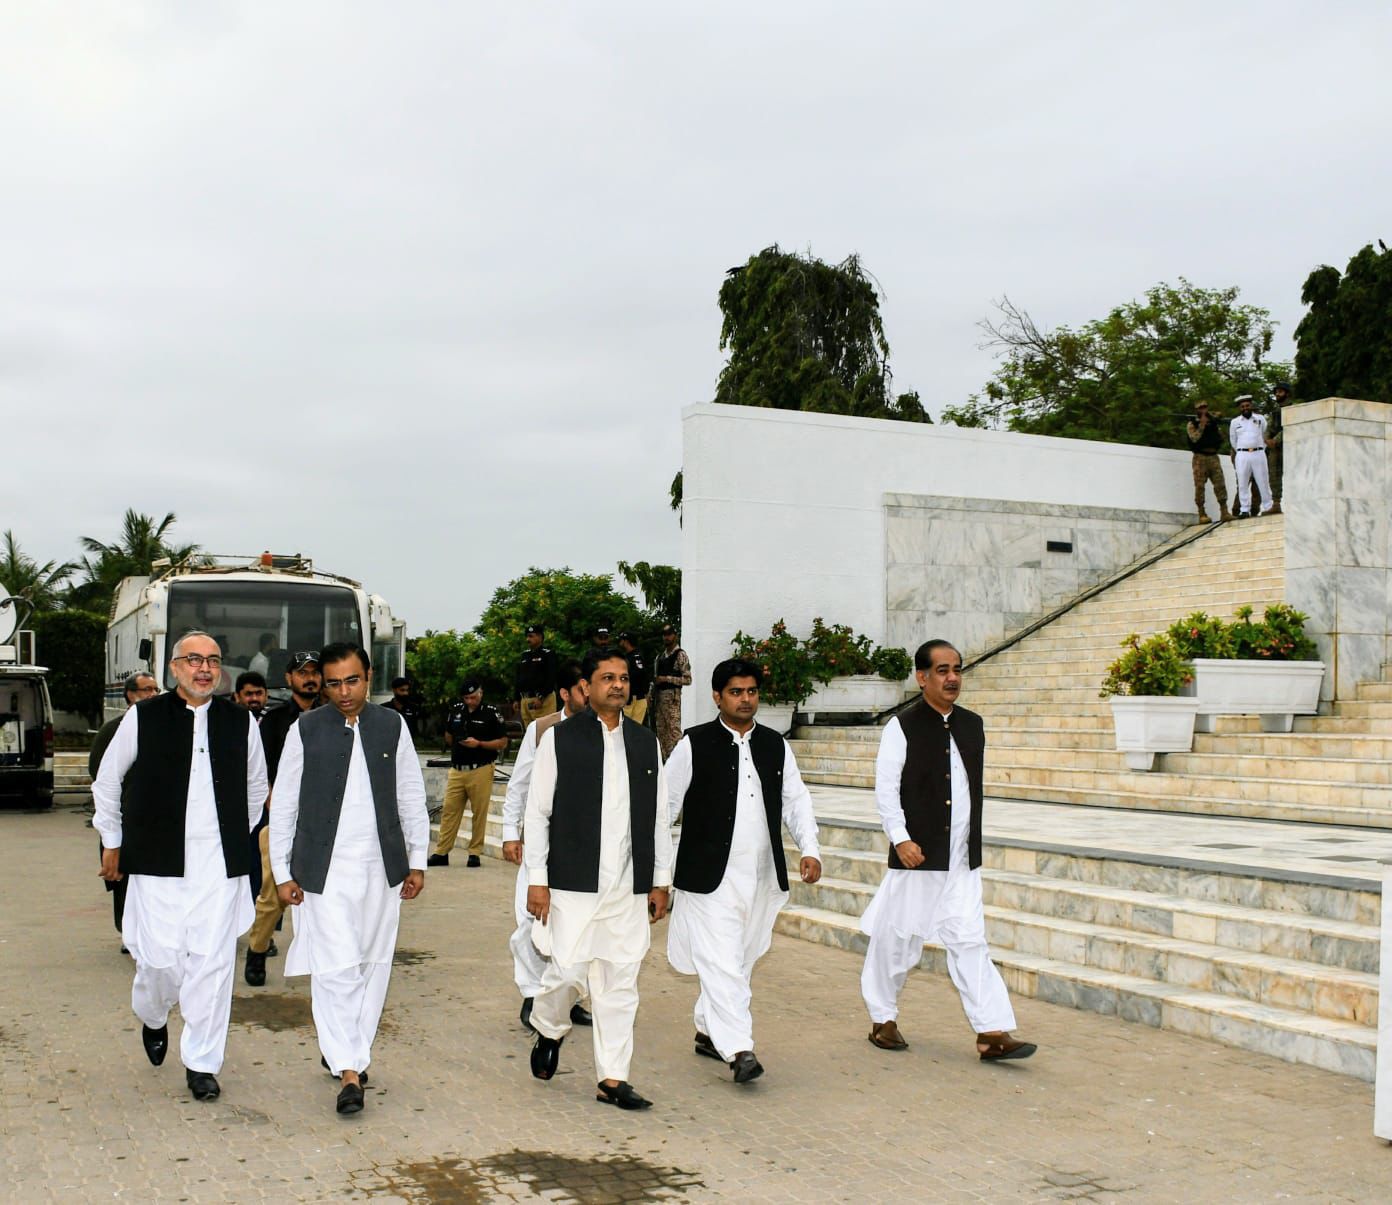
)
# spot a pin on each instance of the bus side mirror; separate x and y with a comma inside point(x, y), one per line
point(146, 648)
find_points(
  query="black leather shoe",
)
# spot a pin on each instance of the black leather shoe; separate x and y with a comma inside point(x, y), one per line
point(255, 972)
point(705, 1046)
point(324, 1063)
point(350, 1098)
point(203, 1085)
point(746, 1067)
point(623, 1095)
point(272, 950)
point(473, 861)
point(546, 1056)
point(580, 1015)
point(156, 1043)
point(437, 860)
point(525, 1016)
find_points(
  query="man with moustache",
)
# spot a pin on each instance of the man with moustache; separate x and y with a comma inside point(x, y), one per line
point(735, 784)
point(250, 692)
point(528, 963)
point(303, 678)
point(349, 835)
point(1248, 438)
point(598, 857)
point(928, 787)
point(180, 787)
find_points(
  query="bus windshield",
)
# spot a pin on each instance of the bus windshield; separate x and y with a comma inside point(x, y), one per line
point(259, 624)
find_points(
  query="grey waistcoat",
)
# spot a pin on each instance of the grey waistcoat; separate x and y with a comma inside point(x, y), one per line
point(328, 746)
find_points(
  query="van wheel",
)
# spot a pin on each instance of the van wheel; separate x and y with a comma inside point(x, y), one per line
point(39, 803)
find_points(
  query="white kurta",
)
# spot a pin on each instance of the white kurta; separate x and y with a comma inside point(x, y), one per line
point(720, 935)
point(528, 963)
point(182, 931)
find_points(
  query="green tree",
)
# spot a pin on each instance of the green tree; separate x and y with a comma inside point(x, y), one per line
point(807, 335)
point(22, 576)
point(72, 644)
point(143, 541)
point(661, 587)
point(1128, 377)
point(1343, 345)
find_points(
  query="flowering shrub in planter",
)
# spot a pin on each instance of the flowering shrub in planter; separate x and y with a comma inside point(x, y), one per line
point(1144, 685)
point(833, 652)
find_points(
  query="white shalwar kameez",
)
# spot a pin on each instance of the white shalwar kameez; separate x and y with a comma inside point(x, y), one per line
point(595, 937)
point(720, 935)
point(528, 963)
point(182, 932)
point(914, 906)
point(345, 936)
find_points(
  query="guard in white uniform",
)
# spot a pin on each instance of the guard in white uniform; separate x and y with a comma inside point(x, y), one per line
point(349, 840)
point(1247, 435)
point(928, 787)
point(179, 790)
point(731, 874)
point(599, 864)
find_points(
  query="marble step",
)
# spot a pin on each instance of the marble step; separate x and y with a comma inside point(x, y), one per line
point(1362, 709)
point(1341, 1046)
point(1369, 692)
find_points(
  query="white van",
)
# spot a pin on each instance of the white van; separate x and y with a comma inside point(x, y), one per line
point(26, 736)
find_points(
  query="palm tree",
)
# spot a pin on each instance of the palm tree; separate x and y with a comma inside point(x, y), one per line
point(142, 542)
point(24, 577)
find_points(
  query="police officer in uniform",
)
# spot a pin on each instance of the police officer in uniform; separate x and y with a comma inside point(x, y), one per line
point(536, 678)
point(475, 735)
point(405, 705)
point(639, 679)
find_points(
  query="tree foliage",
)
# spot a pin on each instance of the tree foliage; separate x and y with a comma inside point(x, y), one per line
point(1344, 342)
point(142, 541)
point(1128, 377)
point(22, 576)
point(807, 335)
point(661, 587)
point(72, 645)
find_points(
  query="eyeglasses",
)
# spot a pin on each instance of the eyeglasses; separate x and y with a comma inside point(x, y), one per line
point(335, 683)
point(198, 661)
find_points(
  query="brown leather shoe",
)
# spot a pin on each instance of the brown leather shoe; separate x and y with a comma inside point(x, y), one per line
point(1000, 1045)
point(886, 1035)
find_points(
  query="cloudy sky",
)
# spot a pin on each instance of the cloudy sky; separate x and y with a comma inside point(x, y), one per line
point(421, 289)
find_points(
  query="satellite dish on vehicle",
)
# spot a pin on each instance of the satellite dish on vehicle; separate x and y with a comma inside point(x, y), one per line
point(9, 616)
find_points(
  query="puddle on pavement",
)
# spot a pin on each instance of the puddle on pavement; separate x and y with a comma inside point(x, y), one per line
point(412, 958)
point(604, 1180)
point(271, 1011)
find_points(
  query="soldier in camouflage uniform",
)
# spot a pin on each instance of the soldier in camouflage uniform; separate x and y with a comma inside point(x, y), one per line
point(1280, 398)
point(1205, 439)
point(671, 672)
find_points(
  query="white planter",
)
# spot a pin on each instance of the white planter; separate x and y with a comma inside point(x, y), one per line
point(777, 716)
point(855, 693)
point(1151, 724)
point(1278, 691)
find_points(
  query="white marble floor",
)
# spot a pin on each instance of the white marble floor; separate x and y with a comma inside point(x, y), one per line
point(1349, 853)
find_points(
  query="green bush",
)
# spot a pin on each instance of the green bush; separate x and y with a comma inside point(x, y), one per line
point(794, 668)
point(786, 665)
point(1202, 635)
point(1152, 666)
point(73, 646)
point(1278, 636)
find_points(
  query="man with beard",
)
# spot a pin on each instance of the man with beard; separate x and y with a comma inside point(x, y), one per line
point(180, 787)
point(599, 858)
point(735, 784)
point(304, 680)
point(349, 834)
point(250, 692)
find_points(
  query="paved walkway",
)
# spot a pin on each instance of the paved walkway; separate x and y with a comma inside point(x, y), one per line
point(1107, 1111)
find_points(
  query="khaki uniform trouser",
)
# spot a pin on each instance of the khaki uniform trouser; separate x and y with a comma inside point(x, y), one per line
point(637, 710)
point(1209, 467)
point(268, 905)
point(534, 709)
point(1274, 473)
point(477, 787)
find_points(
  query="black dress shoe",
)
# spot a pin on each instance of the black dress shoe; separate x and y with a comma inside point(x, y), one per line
point(473, 861)
point(255, 972)
point(546, 1056)
point(272, 950)
point(525, 1016)
point(350, 1098)
point(203, 1085)
point(580, 1015)
point(746, 1067)
point(622, 1095)
point(156, 1043)
point(362, 1075)
point(705, 1046)
point(437, 860)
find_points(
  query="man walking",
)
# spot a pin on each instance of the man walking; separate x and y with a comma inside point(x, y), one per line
point(179, 789)
point(535, 679)
point(528, 963)
point(928, 788)
point(303, 678)
point(349, 834)
point(1205, 440)
point(475, 735)
point(671, 673)
point(1247, 435)
point(599, 859)
point(639, 679)
point(732, 877)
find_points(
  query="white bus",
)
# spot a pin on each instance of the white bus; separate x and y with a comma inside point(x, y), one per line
point(264, 607)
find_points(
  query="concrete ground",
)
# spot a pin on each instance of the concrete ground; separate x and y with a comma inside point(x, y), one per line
point(1106, 1111)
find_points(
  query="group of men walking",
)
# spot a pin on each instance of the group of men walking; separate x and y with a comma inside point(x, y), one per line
point(336, 788)
point(1256, 441)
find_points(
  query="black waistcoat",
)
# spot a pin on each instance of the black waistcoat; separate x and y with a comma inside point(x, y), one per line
point(154, 793)
point(573, 863)
point(708, 811)
point(925, 785)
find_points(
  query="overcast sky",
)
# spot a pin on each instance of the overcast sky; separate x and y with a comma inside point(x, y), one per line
point(421, 289)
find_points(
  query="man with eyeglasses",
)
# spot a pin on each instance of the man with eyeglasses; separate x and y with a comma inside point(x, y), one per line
point(303, 678)
point(138, 686)
point(180, 787)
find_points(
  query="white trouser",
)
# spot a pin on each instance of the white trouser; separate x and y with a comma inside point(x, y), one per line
point(201, 985)
point(347, 1006)
point(613, 988)
point(892, 956)
point(722, 1008)
point(528, 963)
point(1250, 465)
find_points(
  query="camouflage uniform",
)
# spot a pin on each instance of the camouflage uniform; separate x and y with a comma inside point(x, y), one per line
point(666, 697)
point(1208, 466)
point(1274, 454)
